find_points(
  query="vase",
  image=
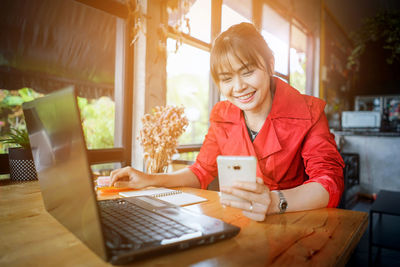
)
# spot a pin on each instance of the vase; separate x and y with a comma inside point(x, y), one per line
point(22, 167)
point(155, 166)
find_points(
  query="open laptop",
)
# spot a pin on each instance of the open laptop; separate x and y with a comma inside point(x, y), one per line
point(119, 230)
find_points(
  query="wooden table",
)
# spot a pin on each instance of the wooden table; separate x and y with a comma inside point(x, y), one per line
point(29, 236)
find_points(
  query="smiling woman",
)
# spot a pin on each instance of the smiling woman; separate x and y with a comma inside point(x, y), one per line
point(299, 167)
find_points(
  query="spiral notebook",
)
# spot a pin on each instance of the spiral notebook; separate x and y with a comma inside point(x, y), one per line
point(175, 197)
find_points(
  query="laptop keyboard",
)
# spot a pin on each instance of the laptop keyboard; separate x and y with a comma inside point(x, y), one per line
point(138, 225)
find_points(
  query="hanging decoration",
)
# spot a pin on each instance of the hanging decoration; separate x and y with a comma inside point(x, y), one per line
point(137, 18)
point(177, 11)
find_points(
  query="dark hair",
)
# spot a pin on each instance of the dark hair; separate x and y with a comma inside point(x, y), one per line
point(245, 43)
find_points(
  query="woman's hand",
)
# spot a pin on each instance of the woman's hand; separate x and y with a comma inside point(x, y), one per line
point(255, 197)
point(129, 177)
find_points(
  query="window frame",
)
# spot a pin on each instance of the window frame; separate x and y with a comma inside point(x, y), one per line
point(293, 21)
point(126, 58)
point(216, 7)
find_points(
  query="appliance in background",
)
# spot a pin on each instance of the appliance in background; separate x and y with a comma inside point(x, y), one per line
point(361, 120)
point(387, 105)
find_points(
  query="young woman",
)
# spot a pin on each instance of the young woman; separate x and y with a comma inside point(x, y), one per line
point(299, 167)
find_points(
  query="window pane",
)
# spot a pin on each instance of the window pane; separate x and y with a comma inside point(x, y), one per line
point(234, 12)
point(11, 115)
point(276, 33)
point(98, 117)
point(78, 46)
point(188, 85)
point(298, 59)
point(199, 15)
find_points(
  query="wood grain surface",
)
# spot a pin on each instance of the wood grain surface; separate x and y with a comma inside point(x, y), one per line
point(29, 236)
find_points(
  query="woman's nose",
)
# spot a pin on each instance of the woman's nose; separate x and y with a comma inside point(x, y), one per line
point(238, 84)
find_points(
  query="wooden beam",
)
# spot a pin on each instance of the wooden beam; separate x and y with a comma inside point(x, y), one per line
point(257, 9)
point(109, 6)
point(97, 156)
point(188, 148)
point(322, 51)
point(187, 39)
point(156, 57)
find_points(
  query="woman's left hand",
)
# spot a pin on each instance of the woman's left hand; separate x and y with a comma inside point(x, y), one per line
point(255, 198)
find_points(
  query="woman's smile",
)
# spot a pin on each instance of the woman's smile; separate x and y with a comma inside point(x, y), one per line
point(247, 97)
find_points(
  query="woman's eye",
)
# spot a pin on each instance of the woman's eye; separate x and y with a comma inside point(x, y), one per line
point(226, 79)
point(248, 72)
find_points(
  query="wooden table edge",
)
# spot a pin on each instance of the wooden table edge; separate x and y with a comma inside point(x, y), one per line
point(348, 251)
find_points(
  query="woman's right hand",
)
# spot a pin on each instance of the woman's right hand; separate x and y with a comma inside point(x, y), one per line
point(130, 177)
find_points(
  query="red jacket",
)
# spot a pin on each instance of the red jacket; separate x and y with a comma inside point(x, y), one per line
point(293, 147)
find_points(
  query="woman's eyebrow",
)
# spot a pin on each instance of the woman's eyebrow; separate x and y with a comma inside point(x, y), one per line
point(243, 67)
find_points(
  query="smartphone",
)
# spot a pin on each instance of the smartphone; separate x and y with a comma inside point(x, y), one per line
point(235, 168)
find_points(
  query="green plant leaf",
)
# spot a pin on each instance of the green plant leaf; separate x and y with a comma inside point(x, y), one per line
point(11, 100)
point(18, 137)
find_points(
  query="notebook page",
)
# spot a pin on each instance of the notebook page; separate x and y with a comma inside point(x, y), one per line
point(182, 199)
point(148, 192)
point(172, 196)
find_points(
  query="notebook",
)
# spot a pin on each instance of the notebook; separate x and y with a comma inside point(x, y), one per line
point(117, 230)
point(175, 197)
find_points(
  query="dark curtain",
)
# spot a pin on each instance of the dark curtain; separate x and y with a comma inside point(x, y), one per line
point(49, 44)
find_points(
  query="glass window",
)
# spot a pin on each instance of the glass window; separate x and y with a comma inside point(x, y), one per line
point(84, 55)
point(98, 117)
point(188, 85)
point(234, 12)
point(275, 30)
point(199, 15)
point(11, 114)
point(298, 59)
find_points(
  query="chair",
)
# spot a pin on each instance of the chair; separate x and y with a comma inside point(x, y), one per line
point(351, 175)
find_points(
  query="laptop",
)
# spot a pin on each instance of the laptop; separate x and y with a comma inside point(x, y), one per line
point(120, 230)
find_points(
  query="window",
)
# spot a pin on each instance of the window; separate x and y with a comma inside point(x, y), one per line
point(298, 59)
point(234, 12)
point(188, 68)
point(288, 41)
point(199, 18)
point(188, 85)
point(89, 51)
point(11, 114)
point(275, 30)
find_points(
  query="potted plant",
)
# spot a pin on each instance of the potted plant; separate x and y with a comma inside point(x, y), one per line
point(22, 167)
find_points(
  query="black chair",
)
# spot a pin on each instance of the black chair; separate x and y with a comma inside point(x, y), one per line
point(351, 174)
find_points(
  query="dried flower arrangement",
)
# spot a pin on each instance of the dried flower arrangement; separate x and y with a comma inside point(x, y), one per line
point(159, 136)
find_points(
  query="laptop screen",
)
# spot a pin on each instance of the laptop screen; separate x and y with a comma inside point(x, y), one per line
point(59, 152)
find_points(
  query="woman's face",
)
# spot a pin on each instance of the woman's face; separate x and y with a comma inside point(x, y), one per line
point(245, 85)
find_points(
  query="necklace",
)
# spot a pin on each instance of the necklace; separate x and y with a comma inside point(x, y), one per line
point(252, 133)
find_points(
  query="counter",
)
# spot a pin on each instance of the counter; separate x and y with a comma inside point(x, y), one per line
point(379, 158)
point(366, 133)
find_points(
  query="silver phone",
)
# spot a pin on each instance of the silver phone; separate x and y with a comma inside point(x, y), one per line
point(235, 168)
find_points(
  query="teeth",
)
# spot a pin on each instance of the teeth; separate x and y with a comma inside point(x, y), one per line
point(245, 96)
